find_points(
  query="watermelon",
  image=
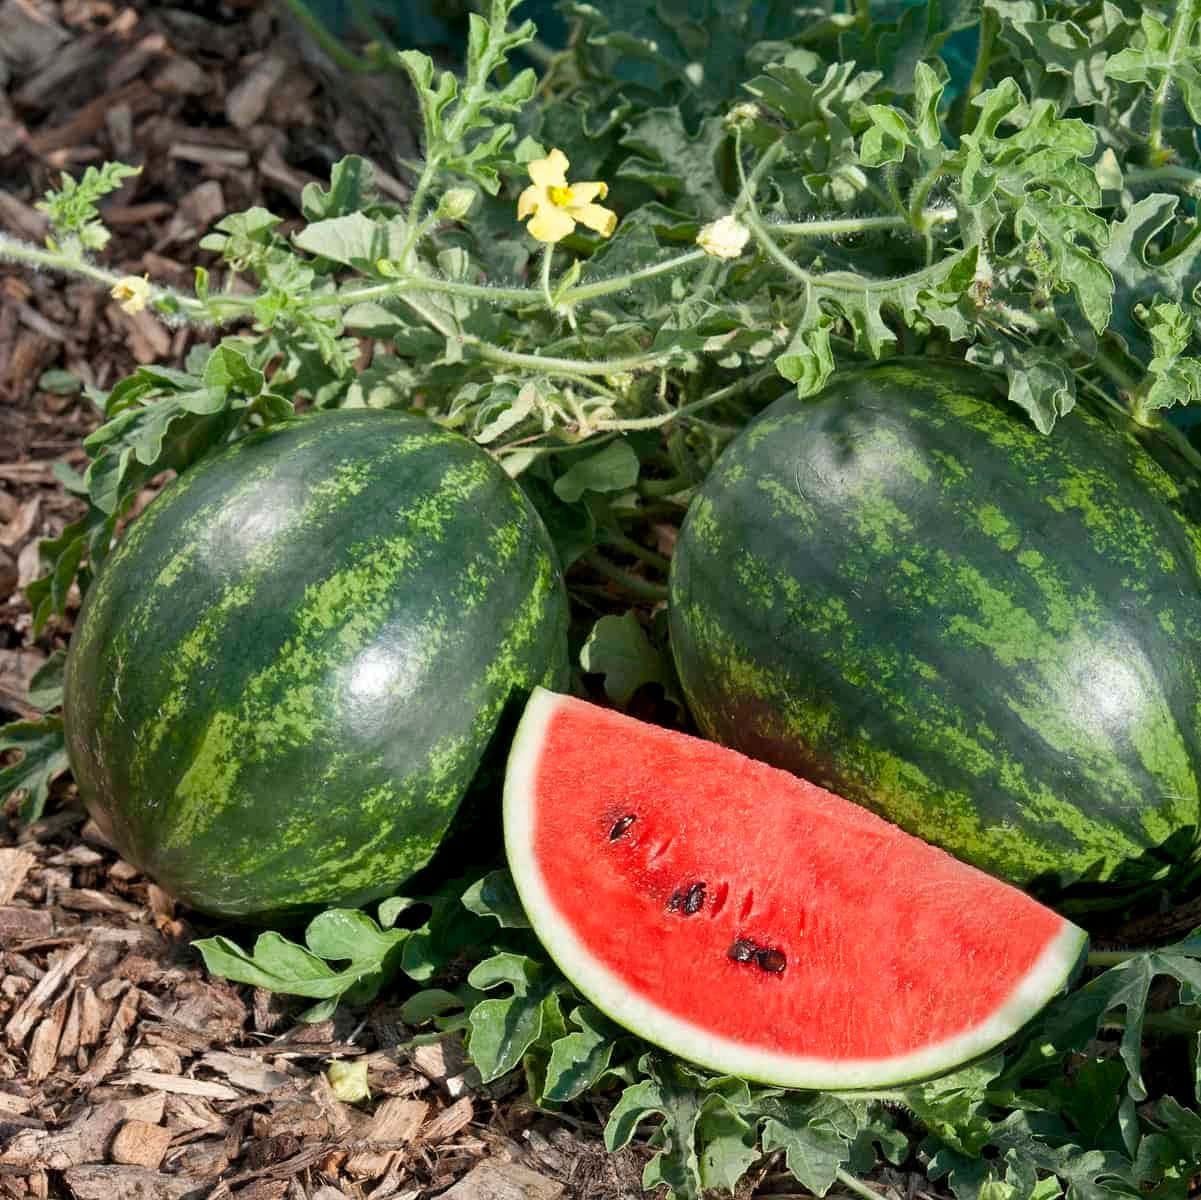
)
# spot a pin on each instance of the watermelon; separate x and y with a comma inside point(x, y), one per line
point(285, 677)
point(754, 923)
point(903, 591)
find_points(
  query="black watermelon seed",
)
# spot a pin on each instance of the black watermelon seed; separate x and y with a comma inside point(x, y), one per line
point(621, 826)
point(772, 961)
point(694, 901)
point(742, 950)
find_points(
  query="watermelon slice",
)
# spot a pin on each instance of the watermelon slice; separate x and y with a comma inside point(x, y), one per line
point(756, 924)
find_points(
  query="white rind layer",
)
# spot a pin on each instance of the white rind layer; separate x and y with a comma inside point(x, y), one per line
point(613, 997)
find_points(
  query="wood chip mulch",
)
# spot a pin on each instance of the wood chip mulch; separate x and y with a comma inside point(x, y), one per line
point(126, 1072)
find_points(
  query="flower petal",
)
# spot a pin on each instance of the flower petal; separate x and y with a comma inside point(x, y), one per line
point(597, 218)
point(550, 171)
point(583, 192)
point(530, 200)
point(550, 224)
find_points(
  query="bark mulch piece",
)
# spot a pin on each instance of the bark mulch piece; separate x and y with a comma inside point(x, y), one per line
point(126, 1072)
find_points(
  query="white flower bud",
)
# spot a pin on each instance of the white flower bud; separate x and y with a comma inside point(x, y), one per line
point(723, 238)
point(742, 115)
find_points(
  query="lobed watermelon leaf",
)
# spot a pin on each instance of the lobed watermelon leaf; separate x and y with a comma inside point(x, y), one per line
point(340, 935)
point(504, 1030)
point(495, 896)
point(43, 752)
point(580, 1058)
point(46, 686)
point(619, 649)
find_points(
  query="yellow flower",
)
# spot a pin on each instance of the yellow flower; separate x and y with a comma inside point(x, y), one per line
point(556, 205)
point(131, 293)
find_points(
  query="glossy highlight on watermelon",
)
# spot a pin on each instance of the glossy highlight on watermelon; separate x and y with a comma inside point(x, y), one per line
point(903, 591)
point(286, 676)
point(755, 924)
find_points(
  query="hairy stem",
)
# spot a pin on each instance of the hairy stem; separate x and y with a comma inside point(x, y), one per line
point(1182, 27)
point(942, 215)
point(548, 252)
point(990, 26)
point(187, 306)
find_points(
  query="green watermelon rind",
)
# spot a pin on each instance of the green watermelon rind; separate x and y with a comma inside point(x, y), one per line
point(901, 590)
point(289, 671)
point(613, 996)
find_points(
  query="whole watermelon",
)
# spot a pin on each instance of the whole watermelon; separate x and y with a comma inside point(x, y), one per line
point(903, 591)
point(286, 676)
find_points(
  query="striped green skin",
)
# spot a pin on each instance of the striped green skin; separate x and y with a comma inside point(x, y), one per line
point(287, 674)
point(904, 592)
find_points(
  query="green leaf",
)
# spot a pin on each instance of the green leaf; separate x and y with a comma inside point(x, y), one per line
point(351, 189)
point(427, 1004)
point(953, 1107)
point(619, 649)
point(808, 362)
point(887, 138)
point(275, 964)
point(1042, 386)
point(451, 934)
point(815, 1135)
point(1072, 265)
point(1145, 270)
point(677, 164)
point(46, 686)
point(347, 933)
point(228, 370)
point(354, 240)
point(72, 209)
point(43, 758)
point(611, 469)
point(581, 1057)
point(675, 1091)
point(495, 896)
point(729, 1145)
point(342, 935)
point(927, 95)
point(504, 1029)
point(1161, 58)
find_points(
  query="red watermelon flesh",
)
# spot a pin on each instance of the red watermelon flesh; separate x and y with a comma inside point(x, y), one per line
point(756, 924)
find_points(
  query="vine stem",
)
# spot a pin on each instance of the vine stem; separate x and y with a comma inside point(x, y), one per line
point(342, 57)
point(74, 264)
point(1111, 958)
point(857, 1186)
point(941, 215)
point(634, 584)
point(1169, 172)
point(652, 558)
point(561, 366)
point(548, 252)
point(618, 424)
point(1183, 21)
point(990, 26)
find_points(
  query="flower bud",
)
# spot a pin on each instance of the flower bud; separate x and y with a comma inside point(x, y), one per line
point(723, 238)
point(742, 115)
point(456, 203)
point(131, 293)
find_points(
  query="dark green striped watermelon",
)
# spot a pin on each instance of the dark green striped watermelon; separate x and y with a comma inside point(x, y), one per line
point(286, 676)
point(904, 592)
